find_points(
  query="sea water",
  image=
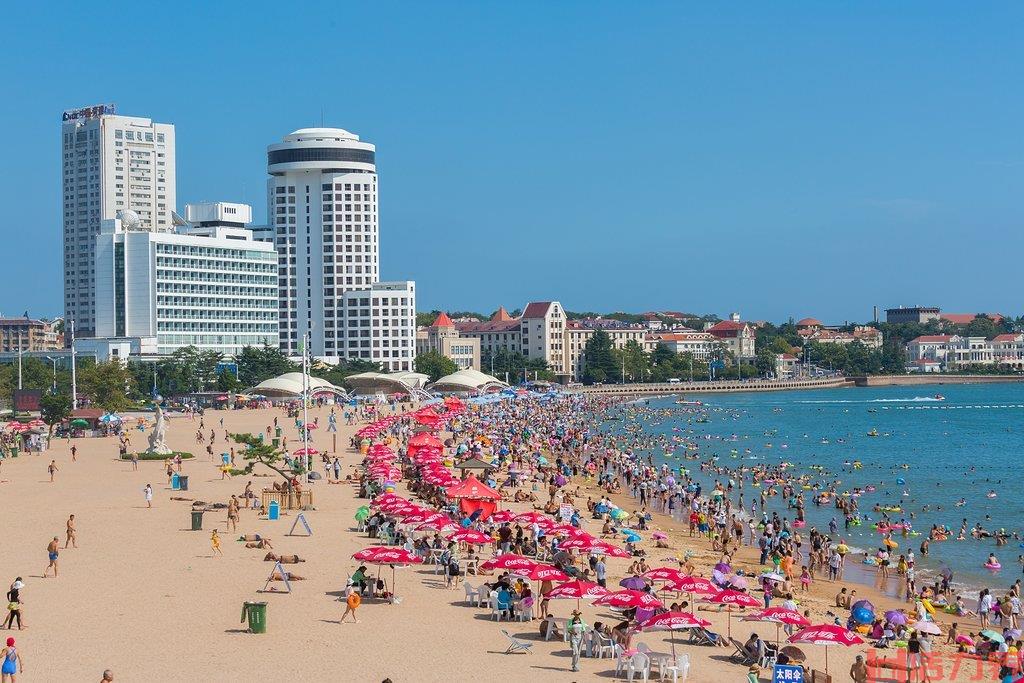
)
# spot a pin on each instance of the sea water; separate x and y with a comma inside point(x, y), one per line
point(963, 445)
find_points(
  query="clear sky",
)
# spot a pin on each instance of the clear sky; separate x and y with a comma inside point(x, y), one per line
point(778, 159)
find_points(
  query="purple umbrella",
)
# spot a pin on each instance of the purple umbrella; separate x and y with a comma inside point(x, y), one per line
point(560, 480)
point(896, 618)
point(723, 567)
point(634, 583)
point(862, 603)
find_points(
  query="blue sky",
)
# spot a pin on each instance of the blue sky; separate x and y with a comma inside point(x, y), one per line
point(772, 158)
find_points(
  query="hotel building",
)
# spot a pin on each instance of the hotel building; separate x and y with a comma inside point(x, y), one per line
point(210, 286)
point(110, 164)
point(322, 198)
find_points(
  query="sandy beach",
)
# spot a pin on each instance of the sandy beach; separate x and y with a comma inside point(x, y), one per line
point(146, 597)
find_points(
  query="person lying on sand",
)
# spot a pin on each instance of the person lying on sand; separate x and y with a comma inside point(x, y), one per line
point(283, 559)
point(261, 544)
point(291, 577)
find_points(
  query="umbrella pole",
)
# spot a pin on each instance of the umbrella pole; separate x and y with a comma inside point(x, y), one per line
point(826, 661)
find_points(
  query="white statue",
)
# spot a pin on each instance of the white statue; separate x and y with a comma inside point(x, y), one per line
point(158, 437)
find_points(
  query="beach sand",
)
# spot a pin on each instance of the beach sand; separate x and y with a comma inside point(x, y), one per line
point(144, 596)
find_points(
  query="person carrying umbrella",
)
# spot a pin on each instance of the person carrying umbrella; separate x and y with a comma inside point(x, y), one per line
point(576, 630)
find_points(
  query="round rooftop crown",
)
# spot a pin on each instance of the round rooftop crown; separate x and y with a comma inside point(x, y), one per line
point(307, 134)
point(809, 322)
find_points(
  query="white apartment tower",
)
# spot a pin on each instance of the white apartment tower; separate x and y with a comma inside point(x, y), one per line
point(322, 206)
point(110, 164)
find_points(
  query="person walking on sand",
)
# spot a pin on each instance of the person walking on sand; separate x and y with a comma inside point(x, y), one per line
point(352, 603)
point(233, 513)
point(148, 493)
point(52, 469)
point(215, 543)
point(14, 604)
point(135, 461)
point(11, 662)
point(72, 538)
point(74, 453)
point(52, 552)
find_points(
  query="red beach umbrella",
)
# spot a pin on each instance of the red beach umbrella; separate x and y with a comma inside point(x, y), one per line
point(380, 555)
point(673, 621)
point(778, 616)
point(580, 590)
point(825, 634)
point(510, 562)
point(730, 598)
point(629, 598)
point(471, 536)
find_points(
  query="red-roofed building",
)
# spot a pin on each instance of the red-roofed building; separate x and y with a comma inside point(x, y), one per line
point(738, 337)
point(866, 335)
point(785, 365)
point(933, 347)
point(809, 323)
point(968, 318)
point(501, 315)
point(444, 338)
point(702, 345)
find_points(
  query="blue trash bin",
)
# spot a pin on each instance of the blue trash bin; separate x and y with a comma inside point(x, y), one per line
point(175, 482)
point(273, 510)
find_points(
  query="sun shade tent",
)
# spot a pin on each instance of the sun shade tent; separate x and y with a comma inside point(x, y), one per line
point(474, 495)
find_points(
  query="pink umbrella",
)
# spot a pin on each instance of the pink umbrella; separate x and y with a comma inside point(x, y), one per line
point(532, 517)
point(629, 598)
point(664, 574)
point(779, 615)
point(441, 523)
point(543, 572)
point(470, 536)
point(605, 548)
point(306, 451)
point(502, 516)
point(730, 598)
point(385, 499)
point(672, 621)
point(581, 590)
point(509, 561)
point(825, 634)
point(311, 425)
point(387, 555)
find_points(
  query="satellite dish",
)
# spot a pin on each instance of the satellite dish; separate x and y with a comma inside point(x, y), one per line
point(129, 219)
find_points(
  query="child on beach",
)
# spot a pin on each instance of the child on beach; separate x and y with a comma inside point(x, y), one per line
point(805, 578)
point(215, 543)
point(352, 603)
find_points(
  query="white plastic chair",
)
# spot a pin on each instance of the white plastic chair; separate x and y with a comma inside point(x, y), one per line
point(484, 597)
point(472, 594)
point(639, 663)
point(680, 670)
point(524, 609)
point(605, 645)
point(621, 660)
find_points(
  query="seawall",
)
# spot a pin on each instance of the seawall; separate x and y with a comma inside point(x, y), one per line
point(715, 387)
point(931, 378)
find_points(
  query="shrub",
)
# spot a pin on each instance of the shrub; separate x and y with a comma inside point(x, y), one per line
point(157, 456)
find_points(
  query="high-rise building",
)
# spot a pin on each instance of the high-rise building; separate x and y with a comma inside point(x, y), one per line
point(322, 206)
point(110, 164)
point(209, 285)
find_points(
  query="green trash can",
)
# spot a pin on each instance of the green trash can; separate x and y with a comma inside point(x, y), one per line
point(197, 520)
point(256, 613)
point(183, 482)
point(277, 432)
point(276, 442)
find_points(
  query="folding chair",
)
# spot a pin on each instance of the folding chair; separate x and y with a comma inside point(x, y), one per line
point(516, 645)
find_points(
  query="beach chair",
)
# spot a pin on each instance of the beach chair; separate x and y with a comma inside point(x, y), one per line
point(472, 594)
point(485, 597)
point(639, 663)
point(701, 636)
point(515, 645)
point(679, 670)
point(524, 610)
point(741, 654)
point(621, 659)
point(605, 645)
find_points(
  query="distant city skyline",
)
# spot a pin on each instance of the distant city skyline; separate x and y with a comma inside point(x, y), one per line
point(780, 162)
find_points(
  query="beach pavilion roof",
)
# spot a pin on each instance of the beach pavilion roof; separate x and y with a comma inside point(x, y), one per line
point(467, 380)
point(289, 385)
point(387, 382)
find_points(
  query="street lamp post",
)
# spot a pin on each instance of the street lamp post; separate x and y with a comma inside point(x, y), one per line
point(53, 390)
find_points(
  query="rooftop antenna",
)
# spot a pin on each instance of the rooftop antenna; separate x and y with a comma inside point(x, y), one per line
point(321, 116)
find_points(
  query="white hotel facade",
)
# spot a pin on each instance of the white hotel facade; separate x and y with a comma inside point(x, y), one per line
point(109, 163)
point(213, 287)
point(322, 203)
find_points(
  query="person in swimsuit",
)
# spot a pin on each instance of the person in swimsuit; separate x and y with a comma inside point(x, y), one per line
point(14, 604)
point(72, 539)
point(148, 493)
point(52, 552)
point(11, 659)
point(52, 469)
point(215, 543)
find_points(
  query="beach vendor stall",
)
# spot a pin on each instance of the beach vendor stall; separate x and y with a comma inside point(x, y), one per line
point(474, 495)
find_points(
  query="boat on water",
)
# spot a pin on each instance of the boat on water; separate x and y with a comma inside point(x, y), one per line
point(873, 432)
point(940, 397)
point(682, 402)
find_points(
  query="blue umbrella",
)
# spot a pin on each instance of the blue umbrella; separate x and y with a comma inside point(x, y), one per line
point(630, 536)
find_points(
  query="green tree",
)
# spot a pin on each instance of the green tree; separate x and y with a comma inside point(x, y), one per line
point(107, 385)
point(599, 361)
point(983, 326)
point(55, 408)
point(633, 362)
point(256, 452)
point(435, 364)
point(258, 363)
point(765, 361)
